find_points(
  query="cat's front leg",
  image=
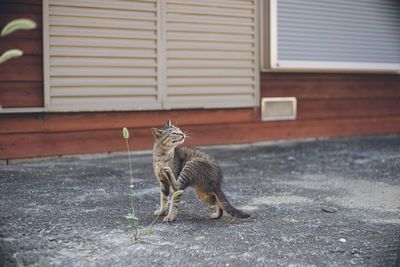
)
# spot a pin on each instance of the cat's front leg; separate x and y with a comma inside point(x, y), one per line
point(168, 174)
point(164, 193)
point(174, 208)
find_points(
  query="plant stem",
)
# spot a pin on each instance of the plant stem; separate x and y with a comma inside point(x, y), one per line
point(131, 188)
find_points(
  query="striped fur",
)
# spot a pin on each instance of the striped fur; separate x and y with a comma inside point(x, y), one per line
point(180, 167)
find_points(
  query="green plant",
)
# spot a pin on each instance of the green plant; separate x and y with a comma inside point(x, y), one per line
point(132, 216)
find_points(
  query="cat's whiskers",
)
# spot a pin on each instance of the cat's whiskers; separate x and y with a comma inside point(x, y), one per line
point(188, 135)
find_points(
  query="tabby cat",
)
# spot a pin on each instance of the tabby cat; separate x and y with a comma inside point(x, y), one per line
point(180, 167)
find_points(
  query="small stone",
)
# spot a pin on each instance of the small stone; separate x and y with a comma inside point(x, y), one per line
point(329, 209)
point(342, 240)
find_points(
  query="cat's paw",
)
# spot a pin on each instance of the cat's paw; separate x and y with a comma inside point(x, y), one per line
point(167, 173)
point(215, 216)
point(159, 212)
point(169, 218)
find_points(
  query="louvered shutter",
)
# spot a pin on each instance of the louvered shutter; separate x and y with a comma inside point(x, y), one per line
point(150, 54)
point(211, 54)
point(102, 55)
point(338, 34)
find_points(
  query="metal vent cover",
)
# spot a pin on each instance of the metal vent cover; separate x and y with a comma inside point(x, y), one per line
point(278, 108)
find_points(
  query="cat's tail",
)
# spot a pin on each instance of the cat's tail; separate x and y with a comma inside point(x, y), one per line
point(226, 206)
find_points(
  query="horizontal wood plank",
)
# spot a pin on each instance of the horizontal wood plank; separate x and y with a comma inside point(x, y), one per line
point(29, 2)
point(21, 94)
point(348, 108)
point(69, 122)
point(31, 47)
point(16, 7)
point(285, 130)
point(106, 120)
point(6, 18)
point(47, 144)
point(51, 144)
point(24, 68)
point(21, 123)
point(329, 86)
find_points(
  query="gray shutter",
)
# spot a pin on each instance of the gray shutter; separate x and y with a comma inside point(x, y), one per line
point(102, 55)
point(338, 34)
point(211, 54)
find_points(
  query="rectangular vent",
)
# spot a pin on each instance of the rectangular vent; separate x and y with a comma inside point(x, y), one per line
point(278, 108)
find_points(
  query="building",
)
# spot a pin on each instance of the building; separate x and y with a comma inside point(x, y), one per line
point(92, 67)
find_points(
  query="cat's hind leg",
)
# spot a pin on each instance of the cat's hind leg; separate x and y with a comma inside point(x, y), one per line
point(210, 199)
point(218, 213)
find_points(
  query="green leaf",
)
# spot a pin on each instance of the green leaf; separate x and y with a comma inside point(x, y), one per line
point(177, 193)
point(132, 217)
point(18, 24)
point(126, 133)
point(10, 54)
point(148, 231)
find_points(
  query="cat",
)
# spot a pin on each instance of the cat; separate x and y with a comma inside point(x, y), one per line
point(179, 167)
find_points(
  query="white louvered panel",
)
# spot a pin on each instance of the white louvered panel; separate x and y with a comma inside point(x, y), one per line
point(338, 32)
point(227, 100)
point(102, 55)
point(109, 62)
point(211, 54)
point(112, 82)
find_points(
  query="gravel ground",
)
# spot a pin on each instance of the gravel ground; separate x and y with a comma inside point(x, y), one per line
point(333, 202)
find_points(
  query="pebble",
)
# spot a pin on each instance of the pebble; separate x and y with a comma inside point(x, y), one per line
point(329, 209)
point(342, 240)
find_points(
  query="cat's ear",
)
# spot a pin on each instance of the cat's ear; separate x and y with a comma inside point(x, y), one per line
point(156, 132)
point(168, 122)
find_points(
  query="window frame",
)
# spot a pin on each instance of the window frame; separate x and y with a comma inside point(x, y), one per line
point(271, 63)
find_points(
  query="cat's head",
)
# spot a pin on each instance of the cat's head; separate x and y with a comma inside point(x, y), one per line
point(169, 136)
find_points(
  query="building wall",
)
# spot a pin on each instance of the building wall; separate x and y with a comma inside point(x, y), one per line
point(21, 79)
point(329, 105)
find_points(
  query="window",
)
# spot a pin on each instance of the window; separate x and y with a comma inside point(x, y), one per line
point(332, 34)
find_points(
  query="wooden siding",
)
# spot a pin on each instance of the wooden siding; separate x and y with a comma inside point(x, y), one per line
point(21, 79)
point(329, 105)
point(337, 96)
